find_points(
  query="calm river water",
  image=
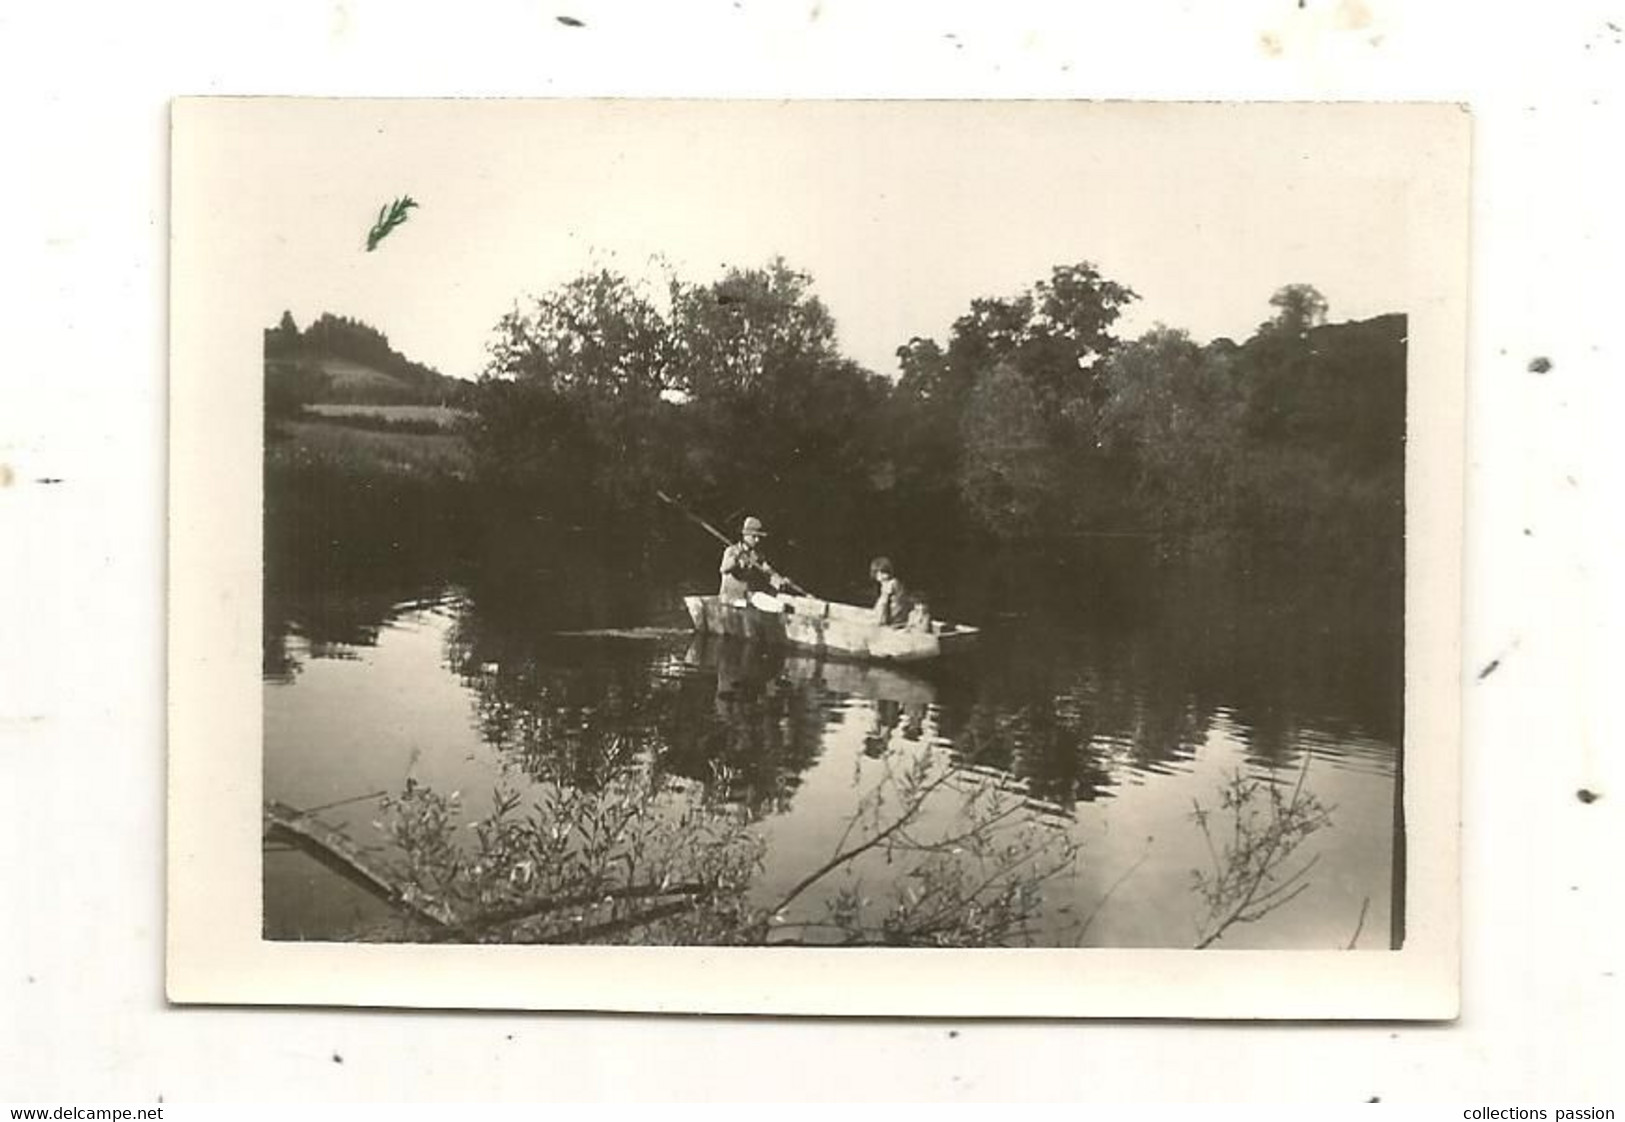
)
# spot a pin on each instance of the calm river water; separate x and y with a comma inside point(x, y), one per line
point(1113, 703)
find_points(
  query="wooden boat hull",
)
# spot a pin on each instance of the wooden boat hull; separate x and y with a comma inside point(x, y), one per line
point(809, 624)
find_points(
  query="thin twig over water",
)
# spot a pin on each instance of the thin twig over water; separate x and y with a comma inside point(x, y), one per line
point(1365, 906)
point(1249, 879)
point(1088, 921)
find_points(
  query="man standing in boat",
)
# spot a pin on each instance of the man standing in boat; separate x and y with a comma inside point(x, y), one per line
point(744, 569)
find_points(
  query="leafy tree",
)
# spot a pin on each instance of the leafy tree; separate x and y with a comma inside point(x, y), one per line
point(570, 408)
point(1008, 478)
point(1051, 338)
point(736, 396)
point(923, 372)
point(922, 420)
point(749, 331)
point(1298, 309)
point(1173, 413)
point(1277, 360)
point(774, 417)
point(1053, 335)
point(596, 336)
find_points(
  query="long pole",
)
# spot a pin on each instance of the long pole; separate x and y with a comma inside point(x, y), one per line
point(716, 533)
point(694, 518)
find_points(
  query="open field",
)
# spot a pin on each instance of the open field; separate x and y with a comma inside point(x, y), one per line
point(441, 415)
point(347, 375)
point(362, 452)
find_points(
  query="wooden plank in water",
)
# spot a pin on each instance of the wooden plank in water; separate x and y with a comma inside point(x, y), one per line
point(333, 848)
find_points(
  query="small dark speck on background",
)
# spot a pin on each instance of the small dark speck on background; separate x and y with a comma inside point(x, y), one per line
point(953, 1034)
point(569, 21)
point(1540, 364)
point(338, 1059)
point(1489, 668)
point(1373, 1098)
point(1587, 795)
point(48, 480)
point(1528, 533)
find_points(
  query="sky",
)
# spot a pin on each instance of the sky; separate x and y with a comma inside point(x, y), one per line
point(902, 212)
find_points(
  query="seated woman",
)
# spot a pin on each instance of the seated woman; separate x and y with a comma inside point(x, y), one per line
point(893, 606)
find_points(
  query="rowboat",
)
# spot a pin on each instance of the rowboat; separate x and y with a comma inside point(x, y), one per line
point(825, 626)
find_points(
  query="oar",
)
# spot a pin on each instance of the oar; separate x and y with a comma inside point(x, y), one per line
point(720, 536)
point(694, 518)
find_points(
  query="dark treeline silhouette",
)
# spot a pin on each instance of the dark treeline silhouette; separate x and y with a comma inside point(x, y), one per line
point(1032, 420)
point(298, 367)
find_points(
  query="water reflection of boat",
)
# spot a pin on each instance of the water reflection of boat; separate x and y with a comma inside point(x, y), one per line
point(824, 626)
point(745, 666)
point(897, 701)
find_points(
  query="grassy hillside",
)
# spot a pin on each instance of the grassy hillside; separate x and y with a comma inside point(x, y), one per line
point(347, 386)
point(339, 359)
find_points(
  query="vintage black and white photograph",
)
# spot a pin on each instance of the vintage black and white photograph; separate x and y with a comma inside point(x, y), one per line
point(821, 526)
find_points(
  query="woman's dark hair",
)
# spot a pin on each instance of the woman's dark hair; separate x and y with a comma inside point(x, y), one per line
point(880, 566)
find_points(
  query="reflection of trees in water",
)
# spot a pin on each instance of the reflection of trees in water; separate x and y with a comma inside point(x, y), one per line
point(346, 547)
point(1061, 702)
point(571, 728)
point(333, 623)
point(1090, 678)
point(1065, 715)
point(1094, 661)
point(277, 662)
point(576, 710)
point(760, 735)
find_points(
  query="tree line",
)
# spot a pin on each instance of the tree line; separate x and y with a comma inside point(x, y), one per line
point(297, 374)
point(1031, 418)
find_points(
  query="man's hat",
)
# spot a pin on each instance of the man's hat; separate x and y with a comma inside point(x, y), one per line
point(753, 525)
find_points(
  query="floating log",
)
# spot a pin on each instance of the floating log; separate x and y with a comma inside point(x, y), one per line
point(340, 853)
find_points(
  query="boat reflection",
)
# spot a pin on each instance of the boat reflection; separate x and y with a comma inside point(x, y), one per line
point(899, 702)
point(746, 668)
point(892, 705)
